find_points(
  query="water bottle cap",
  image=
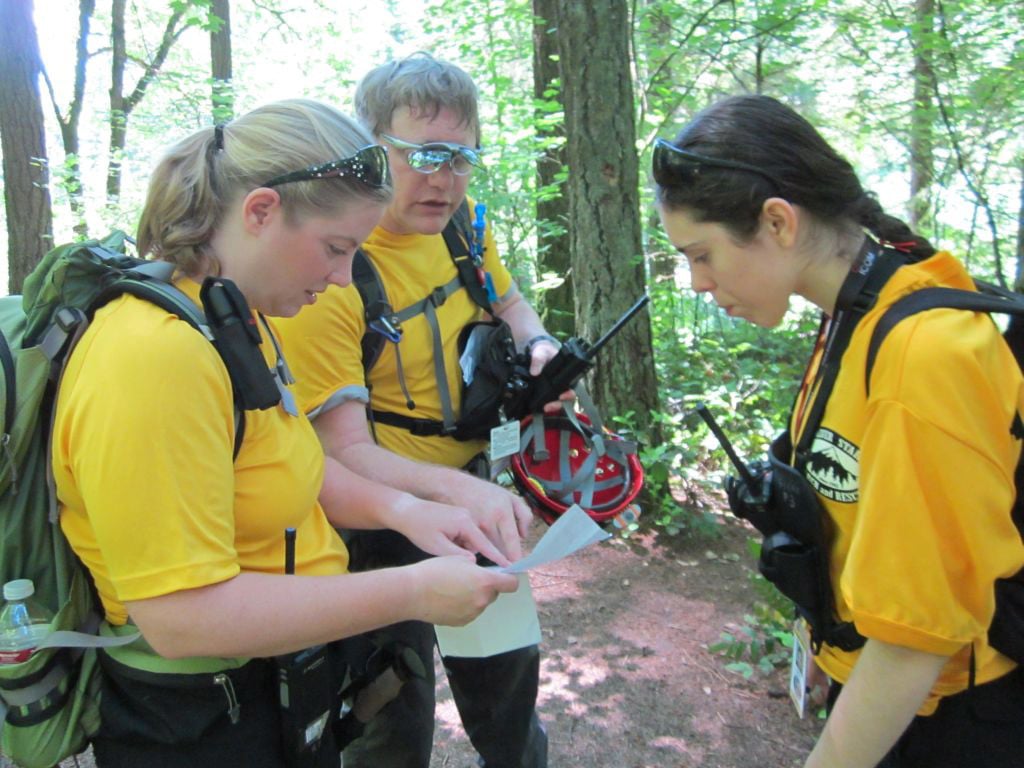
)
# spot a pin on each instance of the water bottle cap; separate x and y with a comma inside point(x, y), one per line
point(19, 589)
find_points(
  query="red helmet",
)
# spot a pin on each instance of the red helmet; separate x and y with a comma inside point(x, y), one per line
point(576, 463)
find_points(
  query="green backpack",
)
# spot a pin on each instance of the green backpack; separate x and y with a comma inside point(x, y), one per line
point(50, 703)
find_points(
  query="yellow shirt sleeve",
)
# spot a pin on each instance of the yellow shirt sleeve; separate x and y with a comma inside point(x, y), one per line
point(323, 347)
point(933, 530)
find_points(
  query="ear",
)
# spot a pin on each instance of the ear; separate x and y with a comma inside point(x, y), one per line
point(259, 208)
point(779, 220)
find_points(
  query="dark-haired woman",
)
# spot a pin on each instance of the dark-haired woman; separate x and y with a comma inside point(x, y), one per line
point(764, 209)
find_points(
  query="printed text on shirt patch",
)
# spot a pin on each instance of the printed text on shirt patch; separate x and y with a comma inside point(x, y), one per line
point(833, 467)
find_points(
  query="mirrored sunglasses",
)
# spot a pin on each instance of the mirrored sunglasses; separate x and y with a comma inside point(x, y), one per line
point(369, 166)
point(675, 167)
point(430, 157)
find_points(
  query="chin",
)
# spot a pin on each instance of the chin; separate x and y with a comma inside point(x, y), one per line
point(431, 225)
point(285, 310)
point(431, 222)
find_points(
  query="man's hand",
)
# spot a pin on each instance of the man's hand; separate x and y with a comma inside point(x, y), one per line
point(443, 529)
point(541, 353)
point(500, 514)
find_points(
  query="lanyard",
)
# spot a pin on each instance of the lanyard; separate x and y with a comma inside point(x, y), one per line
point(858, 294)
point(807, 388)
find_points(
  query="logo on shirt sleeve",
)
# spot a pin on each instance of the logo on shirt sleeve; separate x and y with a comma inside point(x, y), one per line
point(833, 468)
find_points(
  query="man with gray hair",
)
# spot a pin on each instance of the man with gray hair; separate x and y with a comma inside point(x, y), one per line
point(425, 111)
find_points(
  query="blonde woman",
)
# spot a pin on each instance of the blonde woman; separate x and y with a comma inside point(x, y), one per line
point(184, 539)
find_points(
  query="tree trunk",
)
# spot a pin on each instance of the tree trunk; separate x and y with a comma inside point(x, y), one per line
point(222, 92)
point(118, 114)
point(23, 140)
point(922, 116)
point(607, 259)
point(1019, 272)
point(557, 304)
point(121, 106)
point(71, 179)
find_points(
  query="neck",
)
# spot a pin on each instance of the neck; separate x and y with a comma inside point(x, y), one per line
point(828, 269)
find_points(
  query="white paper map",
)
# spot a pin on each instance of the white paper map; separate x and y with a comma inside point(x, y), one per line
point(570, 533)
point(511, 621)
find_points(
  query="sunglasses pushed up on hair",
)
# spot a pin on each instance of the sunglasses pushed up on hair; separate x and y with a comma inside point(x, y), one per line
point(673, 166)
point(434, 155)
point(368, 166)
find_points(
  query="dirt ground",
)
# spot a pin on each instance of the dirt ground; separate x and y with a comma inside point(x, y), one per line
point(627, 680)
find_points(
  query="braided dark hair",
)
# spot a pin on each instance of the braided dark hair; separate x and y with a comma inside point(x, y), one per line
point(797, 164)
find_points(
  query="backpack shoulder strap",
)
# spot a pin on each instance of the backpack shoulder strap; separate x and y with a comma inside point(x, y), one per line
point(383, 323)
point(380, 318)
point(988, 298)
point(150, 285)
point(457, 236)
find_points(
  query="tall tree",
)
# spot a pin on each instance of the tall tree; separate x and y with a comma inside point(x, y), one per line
point(71, 178)
point(222, 91)
point(603, 184)
point(1018, 280)
point(557, 304)
point(23, 141)
point(922, 116)
point(121, 105)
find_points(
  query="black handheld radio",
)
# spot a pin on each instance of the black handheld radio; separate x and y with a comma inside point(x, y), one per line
point(526, 394)
point(237, 339)
point(780, 503)
point(306, 695)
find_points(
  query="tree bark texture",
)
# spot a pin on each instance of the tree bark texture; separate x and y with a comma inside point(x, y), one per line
point(118, 113)
point(121, 105)
point(607, 260)
point(557, 305)
point(922, 116)
point(26, 170)
point(1018, 282)
point(222, 94)
point(72, 176)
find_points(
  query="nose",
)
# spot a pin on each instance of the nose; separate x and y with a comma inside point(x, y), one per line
point(341, 276)
point(700, 283)
point(443, 177)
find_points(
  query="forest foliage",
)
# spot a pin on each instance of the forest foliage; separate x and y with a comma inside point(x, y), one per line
point(924, 98)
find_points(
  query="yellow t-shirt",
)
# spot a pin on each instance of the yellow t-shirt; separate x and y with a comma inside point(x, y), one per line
point(323, 343)
point(918, 481)
point(151, 498)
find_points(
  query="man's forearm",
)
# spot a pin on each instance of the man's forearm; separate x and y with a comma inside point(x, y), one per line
point(522, 319)
point(427, 481)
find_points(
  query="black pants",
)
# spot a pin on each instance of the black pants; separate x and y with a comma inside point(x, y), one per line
point(978, 728)
point(496, 696)
point(184, 721)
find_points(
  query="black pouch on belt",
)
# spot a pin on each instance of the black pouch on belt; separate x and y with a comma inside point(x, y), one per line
point(308, 701)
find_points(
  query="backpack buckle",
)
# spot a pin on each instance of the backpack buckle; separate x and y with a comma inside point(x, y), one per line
point(65, 322)
point(438, 296)
point(68, 318)
point(387, 326)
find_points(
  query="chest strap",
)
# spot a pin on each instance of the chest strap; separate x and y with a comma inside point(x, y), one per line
point(384, 324)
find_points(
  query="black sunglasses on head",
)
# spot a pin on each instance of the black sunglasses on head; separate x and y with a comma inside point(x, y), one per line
point(675, 167)
point(369, 165)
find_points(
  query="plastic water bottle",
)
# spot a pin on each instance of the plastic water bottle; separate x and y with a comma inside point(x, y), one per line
point(23, 622)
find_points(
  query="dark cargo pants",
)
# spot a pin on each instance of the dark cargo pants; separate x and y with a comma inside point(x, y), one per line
point(495, 696)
